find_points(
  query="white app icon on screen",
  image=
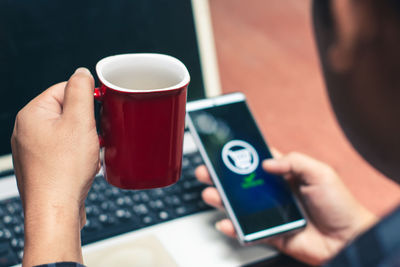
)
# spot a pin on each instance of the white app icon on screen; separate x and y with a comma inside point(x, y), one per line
point(240, 157)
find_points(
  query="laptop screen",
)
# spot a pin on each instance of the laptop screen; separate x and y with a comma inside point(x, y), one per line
point(42, 42)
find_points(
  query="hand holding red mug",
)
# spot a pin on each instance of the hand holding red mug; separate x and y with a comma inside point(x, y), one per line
point(56, 146)
point(56, 156)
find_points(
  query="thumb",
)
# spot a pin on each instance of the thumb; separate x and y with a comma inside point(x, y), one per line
point(300, 167)
point(78, 97)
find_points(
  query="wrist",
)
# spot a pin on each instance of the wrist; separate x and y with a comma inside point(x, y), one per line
point(52, 233)
point(367, 220)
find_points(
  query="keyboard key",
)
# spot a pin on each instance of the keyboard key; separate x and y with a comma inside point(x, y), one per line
point(164, 215)
point(124, 201)
point(123, 215)
point(5, 234)
point(19, 230)
point(21, 243)
point(10, 220)
point(128, 201)
point(191, 196)
point(92, 210)
point(7, 256)
point(144, 196)
point(120, 201)
point(202, 205)
point(189, 174)
point(173, 189)
point(91, 225)
point(7, 220)
point(112, 192)
point(20, 254)
point(17, 242)
point(140, 209)
point(156, 204)
point(2, 235)
point(185, 210)
point(197, 160)
point(173, 200)
point(135, 197)
point(93, 196)
point(187, 185)
point(13, 207)
point(185, 163)
point(103, 218)
point(147, 220)
point(99, 184)
point(192, 184)
point(108, 205)
point(14, 242)
point(115, 191)
point(181, 210)
point(157, 193)
point(106, 219)
point(140, 197)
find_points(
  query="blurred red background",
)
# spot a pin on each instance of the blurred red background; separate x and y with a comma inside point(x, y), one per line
point(266, 50)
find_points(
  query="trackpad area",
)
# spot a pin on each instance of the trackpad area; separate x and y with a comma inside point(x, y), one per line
point(145, 251)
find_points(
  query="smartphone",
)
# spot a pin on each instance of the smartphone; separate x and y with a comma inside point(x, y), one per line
point(259, 204)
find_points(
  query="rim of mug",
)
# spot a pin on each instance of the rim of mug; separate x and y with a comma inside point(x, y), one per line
point(184, 82)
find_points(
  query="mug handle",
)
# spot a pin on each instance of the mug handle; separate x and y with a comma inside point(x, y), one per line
point(98, 95)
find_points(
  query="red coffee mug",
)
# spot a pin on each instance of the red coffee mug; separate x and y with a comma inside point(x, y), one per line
point(143, 100)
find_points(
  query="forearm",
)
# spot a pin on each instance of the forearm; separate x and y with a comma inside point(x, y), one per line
point(52, 233)
point(56, 155)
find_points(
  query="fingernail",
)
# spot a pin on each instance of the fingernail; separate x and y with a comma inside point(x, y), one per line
point(218, 226)
point(270, 163)
point(82, 71)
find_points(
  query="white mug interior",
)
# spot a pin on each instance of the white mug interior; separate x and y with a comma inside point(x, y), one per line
point(142, 72)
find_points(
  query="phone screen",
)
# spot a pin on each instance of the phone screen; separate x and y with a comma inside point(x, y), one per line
point(236, 149)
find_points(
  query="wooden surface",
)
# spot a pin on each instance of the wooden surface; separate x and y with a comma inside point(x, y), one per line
point(266, 49)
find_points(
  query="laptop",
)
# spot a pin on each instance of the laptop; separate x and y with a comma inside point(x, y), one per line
point(42, 43)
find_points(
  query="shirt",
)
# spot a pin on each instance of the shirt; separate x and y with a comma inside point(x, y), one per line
point(379, 246)
point(61, 264)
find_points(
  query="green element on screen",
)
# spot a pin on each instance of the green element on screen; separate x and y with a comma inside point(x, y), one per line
point(249, 181)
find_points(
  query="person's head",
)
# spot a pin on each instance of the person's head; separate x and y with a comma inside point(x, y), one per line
point(359, 47)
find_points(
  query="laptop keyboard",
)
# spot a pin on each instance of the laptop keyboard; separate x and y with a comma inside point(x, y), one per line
point(111, 211)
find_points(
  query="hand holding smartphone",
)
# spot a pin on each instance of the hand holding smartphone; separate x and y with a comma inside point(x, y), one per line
point(259, 204)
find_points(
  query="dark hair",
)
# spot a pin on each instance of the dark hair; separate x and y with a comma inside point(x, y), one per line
point(396, 5)
point(323, 10)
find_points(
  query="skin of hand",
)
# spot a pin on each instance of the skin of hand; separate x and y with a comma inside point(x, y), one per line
point(334, 216)
point(56, 156)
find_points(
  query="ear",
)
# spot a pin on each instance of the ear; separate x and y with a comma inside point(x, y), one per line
point(354, 24)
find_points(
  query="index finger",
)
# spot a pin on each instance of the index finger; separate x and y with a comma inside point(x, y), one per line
point(300, 167)
point(51, 99)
